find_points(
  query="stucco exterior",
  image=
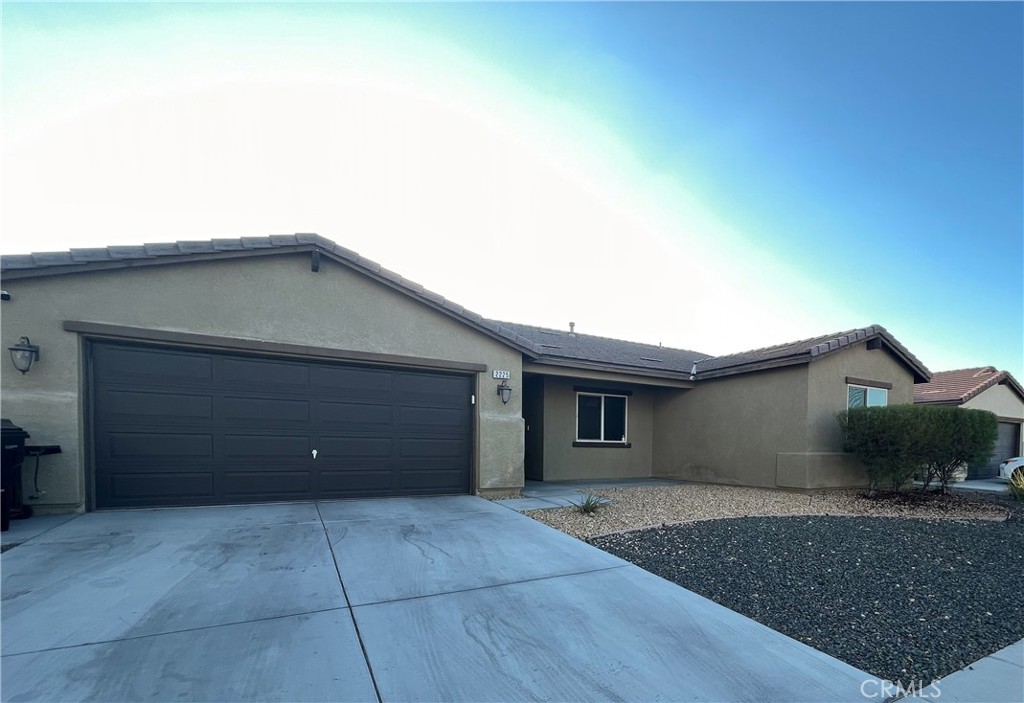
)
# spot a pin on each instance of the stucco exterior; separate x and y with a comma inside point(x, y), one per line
point(823, 464)
point(998, 399)
point(564, 462)
point(270, 298)
point(730, 430)
point(1007, 405)
point(773, 428)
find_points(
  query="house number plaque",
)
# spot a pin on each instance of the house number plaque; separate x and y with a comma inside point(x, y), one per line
point(502, 374)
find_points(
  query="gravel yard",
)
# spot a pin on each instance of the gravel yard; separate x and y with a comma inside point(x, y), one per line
point(633, 508)
point(904, 599)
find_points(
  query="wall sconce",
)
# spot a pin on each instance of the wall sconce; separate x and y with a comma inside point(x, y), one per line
point(23, 354)
point(505, 391)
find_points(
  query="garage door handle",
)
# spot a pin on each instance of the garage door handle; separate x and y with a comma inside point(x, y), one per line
point(314, 454)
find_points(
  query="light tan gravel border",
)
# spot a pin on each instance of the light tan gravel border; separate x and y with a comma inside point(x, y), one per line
point(647, 507)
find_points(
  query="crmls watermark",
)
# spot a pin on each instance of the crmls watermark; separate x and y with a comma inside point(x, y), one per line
point(887, 690)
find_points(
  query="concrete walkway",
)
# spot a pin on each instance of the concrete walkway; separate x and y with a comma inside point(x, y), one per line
point(430, 599)
point(541, 495)
point(998, 678)
point(986, 485)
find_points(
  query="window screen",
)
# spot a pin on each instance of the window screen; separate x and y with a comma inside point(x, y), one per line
point(588, 417)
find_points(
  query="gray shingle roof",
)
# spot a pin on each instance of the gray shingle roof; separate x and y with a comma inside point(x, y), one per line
point(806, 350)
point(574, 346)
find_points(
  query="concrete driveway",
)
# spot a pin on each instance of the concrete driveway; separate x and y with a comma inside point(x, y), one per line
point(425, 599)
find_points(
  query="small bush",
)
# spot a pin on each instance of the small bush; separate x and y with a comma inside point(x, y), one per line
point(954, 438)
point(589, 503)
point(897, 442)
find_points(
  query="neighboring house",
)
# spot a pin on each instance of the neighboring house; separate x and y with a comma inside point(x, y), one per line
point(982, 388)
point(290, 368)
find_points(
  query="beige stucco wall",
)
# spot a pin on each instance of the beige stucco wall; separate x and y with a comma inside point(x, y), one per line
point(771, 428)
point(271, 298)
point(563, 462)
point(1000, 400)
point(823, 464)
point(730, 430)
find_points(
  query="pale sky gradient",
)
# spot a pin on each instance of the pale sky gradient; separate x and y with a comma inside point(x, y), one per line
point(544, 163)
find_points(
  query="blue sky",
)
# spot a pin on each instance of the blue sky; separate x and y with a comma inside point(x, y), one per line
point(715, 176)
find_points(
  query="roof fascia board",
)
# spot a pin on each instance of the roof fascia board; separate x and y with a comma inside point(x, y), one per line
point(99, 330)
point(802, 358)
point(567, 368)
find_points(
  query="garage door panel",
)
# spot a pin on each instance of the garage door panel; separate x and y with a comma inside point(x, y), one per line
point(134, 487)
point(152, 366)
point(429, 479)
point(357, 482)
point(361, 447)
point(434, 389)
point(431, 418)
point(119, 406)
point(263, 411)
point(354, 414)
point(258, 373)
point(193, 427)
point(352, 381)
point(168, 446)
point(248, 484)
point(413, 448)
point(265, 446)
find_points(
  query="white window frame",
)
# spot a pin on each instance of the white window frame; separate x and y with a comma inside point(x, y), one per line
point(867, 393)
point(625, 423)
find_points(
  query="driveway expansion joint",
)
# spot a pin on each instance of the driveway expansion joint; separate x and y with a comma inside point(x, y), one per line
point(344, 592)
point(174, 632)
point(492, 585)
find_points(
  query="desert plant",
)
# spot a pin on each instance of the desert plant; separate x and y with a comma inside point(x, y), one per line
point(1017, 484)
point(589, 503)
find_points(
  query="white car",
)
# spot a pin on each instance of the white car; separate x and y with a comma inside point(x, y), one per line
point(1011, 466)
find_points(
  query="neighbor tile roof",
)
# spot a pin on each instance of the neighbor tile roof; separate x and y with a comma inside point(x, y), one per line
point(958, 386)
point(82, 260)
point(574, 346)
point(805, 350)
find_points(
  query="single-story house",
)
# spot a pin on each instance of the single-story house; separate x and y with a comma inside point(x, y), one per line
point(982, 388)
point(290, 368)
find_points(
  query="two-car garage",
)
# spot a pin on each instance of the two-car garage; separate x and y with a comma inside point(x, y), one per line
point(180, 426)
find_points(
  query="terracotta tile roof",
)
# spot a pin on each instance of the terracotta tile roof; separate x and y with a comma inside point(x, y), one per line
point(574, 346)
point(807, 350)
point(958, 386)
point(84, 260)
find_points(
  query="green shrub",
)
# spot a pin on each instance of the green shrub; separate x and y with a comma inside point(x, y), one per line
point(885, 442)
point(954, 438)
point(897, 442)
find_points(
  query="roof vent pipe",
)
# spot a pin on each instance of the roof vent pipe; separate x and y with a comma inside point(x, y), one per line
point(572, 328)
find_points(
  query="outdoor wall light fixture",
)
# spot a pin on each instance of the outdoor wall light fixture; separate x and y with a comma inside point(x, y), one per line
point(23, 354)
point(505, 391)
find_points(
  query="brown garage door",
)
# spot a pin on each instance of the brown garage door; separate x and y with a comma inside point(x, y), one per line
point(183, 427)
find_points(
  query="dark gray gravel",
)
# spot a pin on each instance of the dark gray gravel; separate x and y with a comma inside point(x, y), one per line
point(903, 599)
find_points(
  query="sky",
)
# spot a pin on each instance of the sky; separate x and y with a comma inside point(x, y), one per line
point(710, 176)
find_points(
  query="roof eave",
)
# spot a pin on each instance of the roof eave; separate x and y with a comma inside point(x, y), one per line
point(612, 368)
